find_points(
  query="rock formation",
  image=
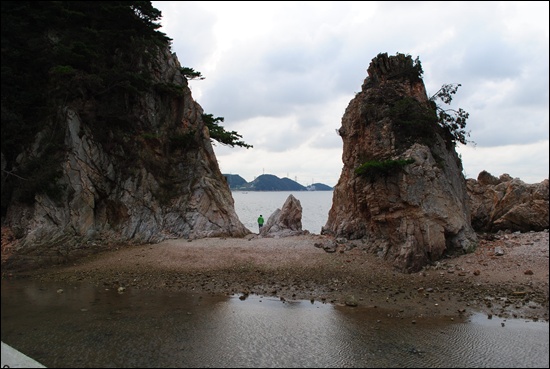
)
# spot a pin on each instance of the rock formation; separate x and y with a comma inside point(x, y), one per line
point(286, 221)
point(154, 180)
point(507, 203)
point(401, 190)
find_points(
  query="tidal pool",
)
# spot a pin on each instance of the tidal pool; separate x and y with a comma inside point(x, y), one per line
point(91, 326)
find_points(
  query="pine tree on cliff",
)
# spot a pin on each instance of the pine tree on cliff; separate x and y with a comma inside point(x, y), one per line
point(67, 54)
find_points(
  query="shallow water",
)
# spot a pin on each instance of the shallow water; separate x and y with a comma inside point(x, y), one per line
point(88, 326)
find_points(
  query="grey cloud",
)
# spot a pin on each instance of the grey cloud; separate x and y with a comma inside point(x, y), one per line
point(192, 36)
point(508, 126)
point(256, 93)
point(303, 68)
point(327, 140)
point(532, 89)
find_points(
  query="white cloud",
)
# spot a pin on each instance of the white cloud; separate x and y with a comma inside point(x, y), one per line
point(283, 73)
point(526, 162)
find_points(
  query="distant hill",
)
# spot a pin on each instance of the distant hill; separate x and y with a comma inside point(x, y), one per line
point(270, 182)
point(235, 180)
point(319, 187)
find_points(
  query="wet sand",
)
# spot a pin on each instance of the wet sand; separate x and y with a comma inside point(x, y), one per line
point(514, 284)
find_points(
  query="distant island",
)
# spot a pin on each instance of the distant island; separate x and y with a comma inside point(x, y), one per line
point(270, 182)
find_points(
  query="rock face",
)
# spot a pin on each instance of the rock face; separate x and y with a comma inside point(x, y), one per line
point(286, 221)
point(507, 203)
point(409, 204)
point(159, 179)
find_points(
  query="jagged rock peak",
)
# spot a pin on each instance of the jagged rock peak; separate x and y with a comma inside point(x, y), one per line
point(286, 221)
point(400, 66)
point(401, 189)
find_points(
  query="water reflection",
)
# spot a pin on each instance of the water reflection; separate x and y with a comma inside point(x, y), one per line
point(264, 332)
point(437, 342)
point(87, 326)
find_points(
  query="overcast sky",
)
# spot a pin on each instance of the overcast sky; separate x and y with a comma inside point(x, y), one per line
point(281, 74)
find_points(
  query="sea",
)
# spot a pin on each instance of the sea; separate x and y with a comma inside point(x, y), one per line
point(249, 205)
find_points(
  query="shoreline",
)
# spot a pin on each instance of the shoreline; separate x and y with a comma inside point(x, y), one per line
point(512, 285)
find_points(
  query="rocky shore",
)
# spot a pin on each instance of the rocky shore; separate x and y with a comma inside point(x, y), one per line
point(507, 276)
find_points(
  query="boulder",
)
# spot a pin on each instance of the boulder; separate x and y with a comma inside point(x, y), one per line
point(286, 221)
point(506, 203)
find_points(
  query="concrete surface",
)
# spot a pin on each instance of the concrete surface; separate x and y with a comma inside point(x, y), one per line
point(11, 358)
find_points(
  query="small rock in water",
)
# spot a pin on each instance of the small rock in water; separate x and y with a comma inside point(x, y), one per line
point(351, 301)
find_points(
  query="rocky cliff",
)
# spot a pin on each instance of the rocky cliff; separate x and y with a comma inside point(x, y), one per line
point(401, 191)
point(153, 179)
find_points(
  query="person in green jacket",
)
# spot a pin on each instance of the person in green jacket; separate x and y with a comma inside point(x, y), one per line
point(260, 222)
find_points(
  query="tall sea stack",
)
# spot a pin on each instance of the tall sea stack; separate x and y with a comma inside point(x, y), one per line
point(401, 190)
